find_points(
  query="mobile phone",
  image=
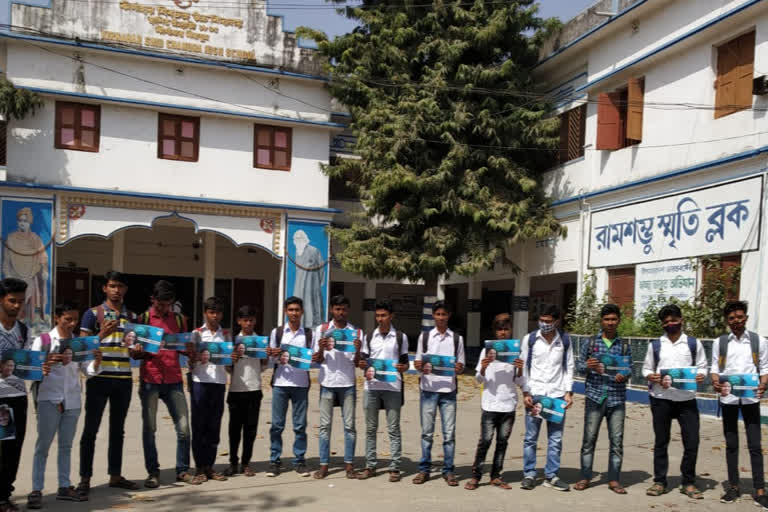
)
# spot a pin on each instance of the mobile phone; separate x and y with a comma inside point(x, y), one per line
point(110, 315)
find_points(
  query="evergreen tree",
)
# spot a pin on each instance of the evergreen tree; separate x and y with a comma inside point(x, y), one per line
point(450, 131)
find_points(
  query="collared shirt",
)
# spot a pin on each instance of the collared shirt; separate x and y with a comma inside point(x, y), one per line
point(10, 339)
point(245, 374)
point(211, 373)
point(439, 345)
point(499, 381)
point(599, 387)
point(116, 359)
point(547, 377)
point(62, 384)
point(738, 360)
point(674, 355)
point(163, 367)
point(338, 368)
point(384, 346)
point(285, 374)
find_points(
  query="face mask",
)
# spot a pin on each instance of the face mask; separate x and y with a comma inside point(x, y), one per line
point(545, 327)
point(673, 328)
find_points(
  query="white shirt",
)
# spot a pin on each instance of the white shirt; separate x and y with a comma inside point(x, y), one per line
point(738, 360)
point(674, 355)
point(547, 376)
point(62, 384)
point(499, 381)
point(384, 346)
point(439, 345)
point(338, 368)
point(285, 374)
point(210, 373)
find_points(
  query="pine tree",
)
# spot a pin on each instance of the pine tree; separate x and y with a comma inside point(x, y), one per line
point(450, 132)
point(17, 103)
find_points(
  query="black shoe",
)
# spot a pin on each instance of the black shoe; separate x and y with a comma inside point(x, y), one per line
point(732, 495)
point(762, 501)
point(274, 469)
point(302, 470)
point(528, 483)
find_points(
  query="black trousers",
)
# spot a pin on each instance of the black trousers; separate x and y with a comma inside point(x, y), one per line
point(243, 422)
point(10, 450)
point(99, 391)
point(687, 416)
point(751, 415)
point(207, 406)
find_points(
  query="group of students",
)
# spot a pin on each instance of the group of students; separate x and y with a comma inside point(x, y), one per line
point(545, 368)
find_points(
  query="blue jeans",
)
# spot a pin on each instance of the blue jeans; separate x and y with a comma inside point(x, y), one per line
point(554, 446)
point(51, 421)
point(173, 397)
point(347, 397)
point(391, 402)
point(593, 416)
point(429, 404)
point(281, 395)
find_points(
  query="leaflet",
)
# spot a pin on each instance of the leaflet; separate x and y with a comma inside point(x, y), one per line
point(343, 339)
point(443, 366)
point(255, 346)
point(178, 341)
point(679, 378)
point(382, 370)
point(151, 338)
point(613, 364)
point(215, 352)
point(298, 357)
point(549, 409)
point(504, 351)
point(82, 348)
point(28, 363)
point(741, 385)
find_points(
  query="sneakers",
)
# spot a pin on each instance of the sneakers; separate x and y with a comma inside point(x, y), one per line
point(556, 484)
point(35, 500)
point(301, 469)
point(274, 469)
point(762, 501)
point(732, 495)
point(528, 483)
point(152, 482)
point(69, 494)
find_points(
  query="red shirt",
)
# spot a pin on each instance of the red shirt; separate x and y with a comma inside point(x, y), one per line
point(163, 367)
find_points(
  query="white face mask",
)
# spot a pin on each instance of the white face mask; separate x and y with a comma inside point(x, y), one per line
point(545, 327)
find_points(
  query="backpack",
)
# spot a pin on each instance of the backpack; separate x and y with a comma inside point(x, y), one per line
point(181, 322)
point(400, 338)
point(656, 347)
point(566, 347)
point(754, 343)
point(279, 340)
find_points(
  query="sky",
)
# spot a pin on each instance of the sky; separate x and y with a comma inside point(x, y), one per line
point(317, 14)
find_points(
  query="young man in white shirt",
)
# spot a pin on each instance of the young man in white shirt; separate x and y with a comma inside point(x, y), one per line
point(289, 385)
point(385, 342)
point(207, 387)
point(546, 358)
point(741, 352)
point(675, 349)
point(499, 401)
point(337, 382)
point(58, 403)
point(438, 392)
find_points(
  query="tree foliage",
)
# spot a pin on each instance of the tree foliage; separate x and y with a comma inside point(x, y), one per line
point(449, 130)
point(17, 103)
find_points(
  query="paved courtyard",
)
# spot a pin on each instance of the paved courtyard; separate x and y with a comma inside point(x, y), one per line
point(289, 491)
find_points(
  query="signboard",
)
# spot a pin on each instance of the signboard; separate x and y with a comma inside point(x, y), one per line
point(714, 220)
point(674, 278)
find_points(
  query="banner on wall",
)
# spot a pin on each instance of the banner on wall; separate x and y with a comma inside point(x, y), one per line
point(674, 278)
point(307, 269)
point(714, 220)
point(27, 235)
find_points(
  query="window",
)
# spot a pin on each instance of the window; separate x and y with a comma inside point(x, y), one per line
point(572, 128)
point(621, 285)
point(272, 147)
point(620, 116)
point(78, 126)
point(735, 71)
point(178, 138)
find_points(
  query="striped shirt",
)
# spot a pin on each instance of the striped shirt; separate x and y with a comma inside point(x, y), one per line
point(116, 360)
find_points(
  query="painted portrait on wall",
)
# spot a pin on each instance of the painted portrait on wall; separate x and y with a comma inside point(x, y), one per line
point(27, 255)
point(306, 273)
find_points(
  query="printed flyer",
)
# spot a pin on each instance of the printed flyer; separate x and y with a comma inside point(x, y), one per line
point(298, 357)
point(344, 339)
point(255, 346)
point(549, 409)
point(382, 370)
point(679, 378)
point(82, 348)
point(28, 363)
point(178, 342)
point(7, 423)
point(504, 351)
point(443, 366)
point(742, 385)
point(215, 352)
point(151, 338)
point(614, 364)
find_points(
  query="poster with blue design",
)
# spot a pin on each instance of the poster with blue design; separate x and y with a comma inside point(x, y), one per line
point(549, 409)
point(28, 364)
point(82, 348)
point(442, 366)
point(344, 339)
point(679, 378)
point(742, 385)
point(178, 341)
point(504, 351)
point(255, 346)
point(27, 233)
point(215, 352)
point(382, 370)
point(298, 357)
point(150, 338)
point(306, 274)
point(614, 364)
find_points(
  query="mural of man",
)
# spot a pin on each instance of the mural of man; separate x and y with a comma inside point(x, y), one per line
point(310, 274)
point(25, 257)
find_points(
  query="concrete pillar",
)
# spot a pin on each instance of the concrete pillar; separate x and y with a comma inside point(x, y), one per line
point(118, 251)
point(369, 317)
point(209, 262)
point(520, 318)
point(474, 293)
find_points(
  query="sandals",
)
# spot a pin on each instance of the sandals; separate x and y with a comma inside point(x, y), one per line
point(247, 470)
point(122, 484)
point(321, 473)
point(230, 471)
point(656, 489)
point(472, 484)
point(501, 484)
point(581, 485)
point(152, 482)
point(351, 472)
point(188, 478)
point(83, 488)
point(394, 476)
point(420, 478)
point(692, 492)
point(213, 475)
point(617, 488)
point(366, 474)
point(450, 479)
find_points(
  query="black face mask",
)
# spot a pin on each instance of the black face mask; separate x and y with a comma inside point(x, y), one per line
point(673, 328)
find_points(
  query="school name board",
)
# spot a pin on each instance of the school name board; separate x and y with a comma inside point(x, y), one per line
point(713, 220)
point(664, 280)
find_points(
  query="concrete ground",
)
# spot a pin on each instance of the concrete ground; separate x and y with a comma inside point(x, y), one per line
point(289, 491)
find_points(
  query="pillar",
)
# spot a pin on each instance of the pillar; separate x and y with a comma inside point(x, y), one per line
point(520, 318)
point(209, 262)
point(369, 297)
point(474, 294)
point(118, 251)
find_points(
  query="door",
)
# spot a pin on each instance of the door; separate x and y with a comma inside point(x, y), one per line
point(72, 286)
point(249, 292)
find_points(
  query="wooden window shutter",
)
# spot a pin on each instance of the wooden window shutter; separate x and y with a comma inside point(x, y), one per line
point(635, 93)
point(621, 285)
point(572, 127)
point(609, 121)
point(735, 70)
point(745, 70)
point(562, 154)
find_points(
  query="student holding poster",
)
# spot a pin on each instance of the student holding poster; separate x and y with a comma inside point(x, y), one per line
point(547, 363)
point(498, 403)
point(744, 353)
point(207, 388)
point(438, 393)
point(674, 349)
point(337, 383)
point(606, 395)
point(161, 379)
point(390, 347)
